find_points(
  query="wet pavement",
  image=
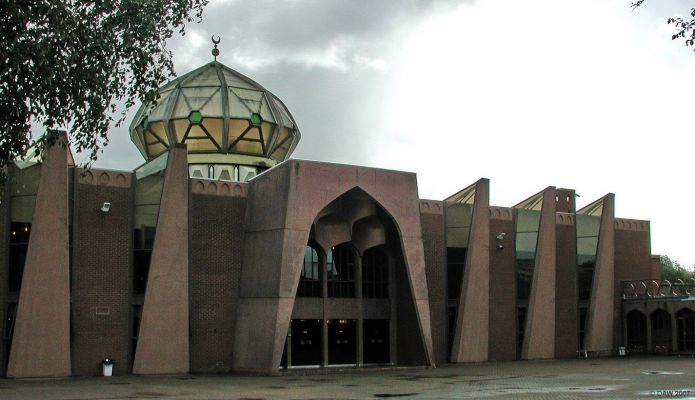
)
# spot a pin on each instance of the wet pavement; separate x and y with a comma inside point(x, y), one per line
point(608, 378)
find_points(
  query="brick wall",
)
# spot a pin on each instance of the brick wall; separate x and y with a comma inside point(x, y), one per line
point(433, 238)
point(101, 272)
point(632, 255)
point(216, 244)
point(502, 332)
point(566, 329)
point(632, 262)
point(656, 267)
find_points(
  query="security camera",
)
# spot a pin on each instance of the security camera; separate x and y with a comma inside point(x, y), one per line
point(106, 207)
point(501, 236)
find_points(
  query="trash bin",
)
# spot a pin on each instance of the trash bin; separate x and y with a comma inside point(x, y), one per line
point(107, 366)
point(621, 351)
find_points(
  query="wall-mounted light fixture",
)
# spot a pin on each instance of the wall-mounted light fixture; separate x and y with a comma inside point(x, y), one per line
point(500, 238)
point(106, 207)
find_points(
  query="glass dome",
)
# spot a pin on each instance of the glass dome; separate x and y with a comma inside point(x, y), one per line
point(221, 115)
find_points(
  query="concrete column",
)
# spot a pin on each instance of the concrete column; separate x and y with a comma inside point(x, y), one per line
point(41, 340)
point(472, 318)
point(599, 328)
point(539, 332)
point(163, 346)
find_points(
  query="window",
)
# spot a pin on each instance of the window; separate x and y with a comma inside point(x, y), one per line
point(136, 319)
point(661, 330)
point(527, 227)
point(520, 329)
point(583, 312)
point(588, 227)
point(309, 280)
point(686, 330)
point(19, 245)
point(636, 326)
point(455, 264)
point(10, 318)
point(375, 277)
point(340, 270)
point(143, 242)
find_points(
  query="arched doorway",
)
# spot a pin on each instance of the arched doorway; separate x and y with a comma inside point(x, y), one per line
point(353, 289)
point(661, 331)
point(686, 329)
point(636, 324)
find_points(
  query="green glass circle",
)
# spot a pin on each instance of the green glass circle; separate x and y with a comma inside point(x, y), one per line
point(255, 119)
point(195, 117)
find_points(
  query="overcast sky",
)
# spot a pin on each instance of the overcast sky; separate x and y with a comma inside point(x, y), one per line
point(585, 94)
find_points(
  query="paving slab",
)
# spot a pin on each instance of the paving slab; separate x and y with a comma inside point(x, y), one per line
point(600, 378)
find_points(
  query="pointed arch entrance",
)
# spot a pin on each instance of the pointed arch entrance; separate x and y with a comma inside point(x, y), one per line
point(362, 312)
point(282, 207)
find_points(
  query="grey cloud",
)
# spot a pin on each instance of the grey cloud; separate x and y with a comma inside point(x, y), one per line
point(268, 32)
point(337, 109)
point(298, 24)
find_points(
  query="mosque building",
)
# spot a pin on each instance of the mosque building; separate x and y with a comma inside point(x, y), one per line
point(222, 254)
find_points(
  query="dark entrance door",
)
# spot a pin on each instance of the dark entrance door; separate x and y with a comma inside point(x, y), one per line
point(306, 342)
point(376, 341)
point(342, 341)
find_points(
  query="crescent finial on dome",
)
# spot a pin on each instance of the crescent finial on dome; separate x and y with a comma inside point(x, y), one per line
point(215, 50)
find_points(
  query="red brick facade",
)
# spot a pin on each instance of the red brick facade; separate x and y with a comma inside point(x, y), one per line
point(433, 240)
point(566, 319)
point(217, 239)
point(102, 273)
point(503, 330)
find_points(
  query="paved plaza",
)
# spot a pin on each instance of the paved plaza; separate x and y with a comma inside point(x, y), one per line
point(609, 378)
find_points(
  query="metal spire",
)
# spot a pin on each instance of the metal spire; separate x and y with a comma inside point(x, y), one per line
point(215, 51)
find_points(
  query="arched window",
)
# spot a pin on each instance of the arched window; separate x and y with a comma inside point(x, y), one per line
point(310, 280)
point(375, 274)
point(340, 270)
point(636, 331)
point(661, 330)
point(686, 330)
